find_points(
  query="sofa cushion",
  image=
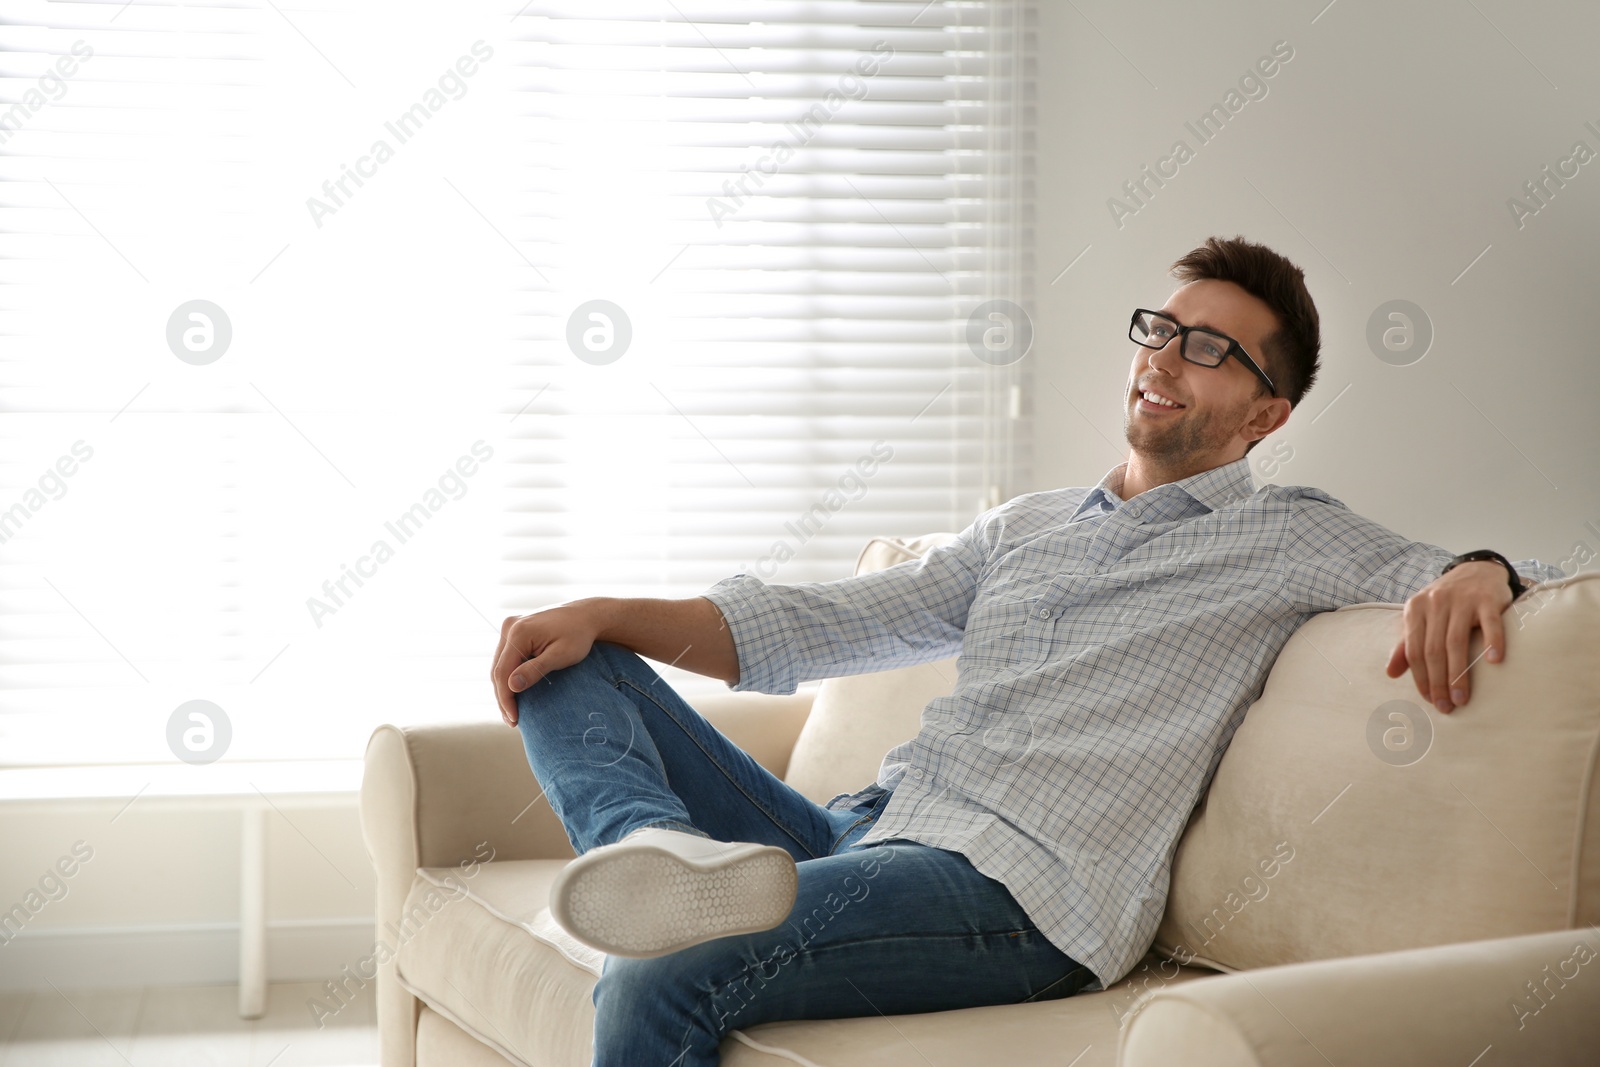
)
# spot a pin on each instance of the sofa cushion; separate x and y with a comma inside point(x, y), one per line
point(443, 1041)
point(1350, 817)
point(855, 720)
point(1079, 1031)
point(479, 956)
point(485, 957)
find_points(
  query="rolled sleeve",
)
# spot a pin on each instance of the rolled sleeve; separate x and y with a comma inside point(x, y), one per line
point(753, 618)
point(914, 612)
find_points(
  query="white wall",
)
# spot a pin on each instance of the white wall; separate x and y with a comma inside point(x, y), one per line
point(1380, 160)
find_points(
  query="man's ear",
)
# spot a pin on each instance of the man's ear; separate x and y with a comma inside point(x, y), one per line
point(1272, 415)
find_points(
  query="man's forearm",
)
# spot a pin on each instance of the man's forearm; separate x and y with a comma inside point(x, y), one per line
point(683, 633)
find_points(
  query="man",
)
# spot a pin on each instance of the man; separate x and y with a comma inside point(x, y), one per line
point(1019, 847)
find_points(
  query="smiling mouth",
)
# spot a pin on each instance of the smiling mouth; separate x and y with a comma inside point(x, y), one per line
point(1147, 403)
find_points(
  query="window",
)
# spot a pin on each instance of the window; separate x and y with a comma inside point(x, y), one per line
point(397, 412)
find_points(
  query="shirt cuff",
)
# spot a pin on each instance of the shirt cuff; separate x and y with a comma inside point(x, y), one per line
point(1539, 572)
point(754, 616)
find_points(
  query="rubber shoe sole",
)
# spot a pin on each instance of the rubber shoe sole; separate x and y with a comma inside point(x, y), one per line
point(657, 891)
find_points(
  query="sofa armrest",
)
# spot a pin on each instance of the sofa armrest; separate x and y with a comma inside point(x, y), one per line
point(431, 796)
point(442, 795)
point(1535, 998)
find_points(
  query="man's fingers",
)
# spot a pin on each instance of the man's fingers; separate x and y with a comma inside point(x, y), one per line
point(1494, 636)
point(506, 660)
point(506, 715)
point(505, 633)
point(524, 677)
point(1434, 647)
point(1416, 655)
point(1439, 624)
point(515, 666)
point(1457, 643)
point(507, 701)
point(1397, 660)
point(535, 646)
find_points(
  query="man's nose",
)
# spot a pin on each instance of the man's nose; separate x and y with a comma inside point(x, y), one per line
point(1168, 358)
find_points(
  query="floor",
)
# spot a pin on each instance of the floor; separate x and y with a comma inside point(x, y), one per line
point(182, 1026)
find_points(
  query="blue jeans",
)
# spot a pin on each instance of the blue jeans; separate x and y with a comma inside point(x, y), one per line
point(890, 928)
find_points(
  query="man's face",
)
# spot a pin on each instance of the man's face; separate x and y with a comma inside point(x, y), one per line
point(1218, 402)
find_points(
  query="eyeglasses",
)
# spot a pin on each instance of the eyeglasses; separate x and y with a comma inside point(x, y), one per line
point(1204, 347)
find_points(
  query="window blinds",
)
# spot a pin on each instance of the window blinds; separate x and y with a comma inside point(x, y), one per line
point(332, 338)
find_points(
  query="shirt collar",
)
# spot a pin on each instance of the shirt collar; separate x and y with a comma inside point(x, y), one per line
point(1213, 488)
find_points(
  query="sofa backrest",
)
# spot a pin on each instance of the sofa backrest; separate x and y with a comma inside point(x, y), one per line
point(855, 720)
point(1347, 816)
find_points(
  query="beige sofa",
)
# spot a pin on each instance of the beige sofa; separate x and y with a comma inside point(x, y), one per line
point(1383, 884)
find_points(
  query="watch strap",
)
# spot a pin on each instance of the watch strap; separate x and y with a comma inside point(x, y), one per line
point(1517, 588)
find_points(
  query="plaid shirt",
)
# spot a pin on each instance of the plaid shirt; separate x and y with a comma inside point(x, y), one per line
point(1109, 649)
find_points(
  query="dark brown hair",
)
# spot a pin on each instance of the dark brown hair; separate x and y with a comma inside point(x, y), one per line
point(1292, 349)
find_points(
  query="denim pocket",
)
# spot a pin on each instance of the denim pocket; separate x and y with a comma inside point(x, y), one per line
point(1065, 986)
point(868, 810)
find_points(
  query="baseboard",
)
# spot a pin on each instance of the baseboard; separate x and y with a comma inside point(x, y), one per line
point(310, 950)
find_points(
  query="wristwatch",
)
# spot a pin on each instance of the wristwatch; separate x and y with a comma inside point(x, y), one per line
point(1517, 588)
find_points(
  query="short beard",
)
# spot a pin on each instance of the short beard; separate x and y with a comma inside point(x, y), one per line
point(1188, 445)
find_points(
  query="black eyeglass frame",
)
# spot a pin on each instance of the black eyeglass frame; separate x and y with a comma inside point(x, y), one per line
point(1182, 337)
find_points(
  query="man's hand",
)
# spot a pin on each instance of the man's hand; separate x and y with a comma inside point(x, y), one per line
point(531, 646)
point(1439, 622)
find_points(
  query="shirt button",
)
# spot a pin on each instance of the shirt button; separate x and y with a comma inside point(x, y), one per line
point(917, 773)
point(1044, 613)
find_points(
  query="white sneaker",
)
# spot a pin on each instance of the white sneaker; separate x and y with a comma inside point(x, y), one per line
point(657, 891)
